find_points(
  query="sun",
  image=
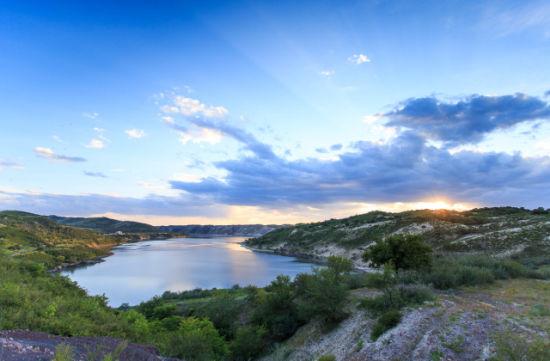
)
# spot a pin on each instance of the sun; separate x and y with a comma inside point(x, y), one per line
point(440, 203)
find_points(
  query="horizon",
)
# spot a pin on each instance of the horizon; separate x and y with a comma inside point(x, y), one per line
point(260, 113)
point(272, 224)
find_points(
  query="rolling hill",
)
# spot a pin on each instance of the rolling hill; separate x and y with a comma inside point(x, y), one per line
point(105, 225)
point(498, 231)
point(38, 238)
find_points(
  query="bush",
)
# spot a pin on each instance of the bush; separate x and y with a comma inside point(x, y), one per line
point(63, 352)
point(510, 346)
point(276, 310)
point(324, 293)
point(388, 320)
point(196, 340)
point(403, 251)
point(473, 271)
point(328, 357)
point(370, 280)
point(248, 343)
point(397, 298)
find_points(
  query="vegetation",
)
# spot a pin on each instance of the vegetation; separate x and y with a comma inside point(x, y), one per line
point(250, 319)
point(518, 231)
point(512, 347)
point(459, 271)
point(327, 358)
point(232, 324)
point(388, 320)
point(104, 224)
point(402, 251)
point(243, 323)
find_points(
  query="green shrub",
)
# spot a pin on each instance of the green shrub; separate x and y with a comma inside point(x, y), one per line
point(450, 274)
point(397, 298)
point(328, 357)
point(388, 320)
point(63, 352)
point(370, 280)
point(510, 346)
point(323, 294)
point(276, 309)
point(196, 340)
point(249, 342)
point(403, 251)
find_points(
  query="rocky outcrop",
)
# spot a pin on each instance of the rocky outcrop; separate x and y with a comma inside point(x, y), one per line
point(33, 346)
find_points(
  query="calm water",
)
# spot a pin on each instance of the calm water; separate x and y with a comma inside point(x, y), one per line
point(138, 271)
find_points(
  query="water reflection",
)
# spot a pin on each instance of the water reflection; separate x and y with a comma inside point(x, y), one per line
point(138, 271)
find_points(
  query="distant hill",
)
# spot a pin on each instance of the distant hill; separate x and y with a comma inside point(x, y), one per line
point(497, 231)
point(110, 226)
point(105, 225)
point(246, 230)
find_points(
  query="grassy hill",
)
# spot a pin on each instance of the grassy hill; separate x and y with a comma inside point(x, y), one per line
point(38, 238)
point(104, 224)
point(111, 226)
point(238, 230)
point(497, 231)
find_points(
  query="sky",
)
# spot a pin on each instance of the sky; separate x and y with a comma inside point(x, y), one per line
point(272, 111)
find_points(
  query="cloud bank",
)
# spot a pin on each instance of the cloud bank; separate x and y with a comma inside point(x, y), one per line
point(467, 120)
point(407, 167)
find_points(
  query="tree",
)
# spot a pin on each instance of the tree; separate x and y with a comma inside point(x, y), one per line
point(276, 309)
point(403, 252)
point(323, 294)
point(248, 343)
point(196, 340)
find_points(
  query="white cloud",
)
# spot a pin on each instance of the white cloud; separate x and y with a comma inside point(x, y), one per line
point(201, 135)
point(5, 164)
point(57, 138)
point(44, 152)
point(191, 107)
point(90, 115)
point(359, 59)
point(518, 18)
point(47, 153)
point(327, 72)
point(372, 118)
point(135, 133)
point(96, 143)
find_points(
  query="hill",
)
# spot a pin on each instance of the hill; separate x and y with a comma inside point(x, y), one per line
point(40, 239)
point(112, 226)
point(105, 225)
point(503, 231)
point(238, 230)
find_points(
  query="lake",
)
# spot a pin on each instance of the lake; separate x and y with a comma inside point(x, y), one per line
point(138, 271)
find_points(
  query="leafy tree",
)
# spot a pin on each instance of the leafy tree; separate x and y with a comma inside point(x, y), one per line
point(323, 294)
point(196, 340)
point(403, 251)
point(248, 343)
point(224, 311)
point(276, 309)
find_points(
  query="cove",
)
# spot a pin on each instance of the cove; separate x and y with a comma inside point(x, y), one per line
point(138, 271)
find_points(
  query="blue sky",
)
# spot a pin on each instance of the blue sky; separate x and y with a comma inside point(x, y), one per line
point(272, 111)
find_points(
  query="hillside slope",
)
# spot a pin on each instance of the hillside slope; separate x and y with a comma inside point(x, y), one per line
point(104, 224)
point(38, 238)
point(238, 230)
point(497, 231)
point(112, 226)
